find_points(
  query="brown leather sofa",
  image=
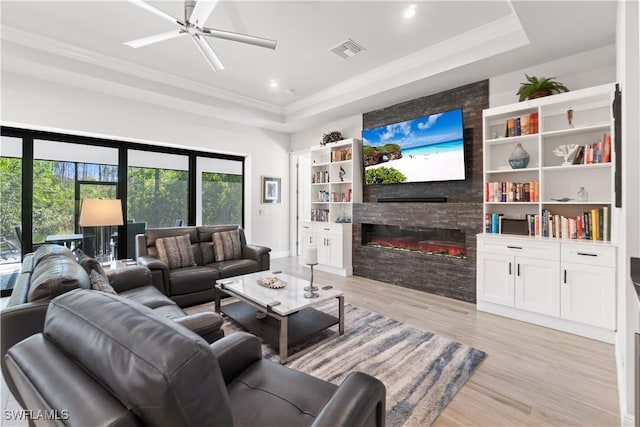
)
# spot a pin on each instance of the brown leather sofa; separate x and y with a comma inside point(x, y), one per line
point(52, 270)
point(104, 360)
point(195, 284)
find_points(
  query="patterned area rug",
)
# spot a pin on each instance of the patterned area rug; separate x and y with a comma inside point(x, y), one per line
point(422, 371)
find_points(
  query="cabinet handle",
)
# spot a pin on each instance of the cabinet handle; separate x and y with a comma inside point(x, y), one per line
point(326, 229)
point(586, 254)
point(509, 269)
point(518, 270)
point(514, 247)
point(565, 276)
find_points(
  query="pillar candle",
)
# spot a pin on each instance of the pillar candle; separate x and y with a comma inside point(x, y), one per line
point(311, 256)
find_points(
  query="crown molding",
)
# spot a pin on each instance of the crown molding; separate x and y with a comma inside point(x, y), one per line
point(480, 43)
point(34, 41)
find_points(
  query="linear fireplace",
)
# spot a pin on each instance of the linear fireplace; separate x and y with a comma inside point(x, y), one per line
point(446, 242)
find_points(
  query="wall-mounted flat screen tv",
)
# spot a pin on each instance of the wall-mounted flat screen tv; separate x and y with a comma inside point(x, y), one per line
point(429, 148)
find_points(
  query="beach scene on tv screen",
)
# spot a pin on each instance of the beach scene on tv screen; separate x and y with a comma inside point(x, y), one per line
point(429, 148)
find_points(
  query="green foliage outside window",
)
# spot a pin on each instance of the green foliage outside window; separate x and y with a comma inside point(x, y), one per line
point(158, 197)
point(10, 195)
point(221, 198)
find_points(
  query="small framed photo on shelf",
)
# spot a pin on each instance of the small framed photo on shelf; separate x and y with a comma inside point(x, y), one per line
point(271, 190)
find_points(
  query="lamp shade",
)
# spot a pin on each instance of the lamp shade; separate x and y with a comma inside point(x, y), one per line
point(101, 212)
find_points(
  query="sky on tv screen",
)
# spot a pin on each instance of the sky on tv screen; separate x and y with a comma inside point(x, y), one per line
point(421, 132)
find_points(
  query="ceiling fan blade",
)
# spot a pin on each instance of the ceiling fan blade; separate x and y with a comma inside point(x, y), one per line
point(202, 11)
point(155, 11)
point(208, 53)
point(242, 38)
point(155, 38)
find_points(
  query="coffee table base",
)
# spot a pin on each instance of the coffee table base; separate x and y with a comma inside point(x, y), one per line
point(284, 331)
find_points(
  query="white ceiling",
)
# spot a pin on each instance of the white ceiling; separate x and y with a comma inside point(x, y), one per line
point(445, 43)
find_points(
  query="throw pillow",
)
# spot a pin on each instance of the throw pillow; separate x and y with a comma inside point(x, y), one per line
point(208, 255)
point(100, 283)
point(90, 264)
point(176, 251)
point(226, 245)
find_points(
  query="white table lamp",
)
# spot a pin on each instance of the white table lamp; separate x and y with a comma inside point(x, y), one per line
point(102, 214)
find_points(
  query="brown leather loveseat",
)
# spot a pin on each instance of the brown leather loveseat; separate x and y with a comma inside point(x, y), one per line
point(186, 261)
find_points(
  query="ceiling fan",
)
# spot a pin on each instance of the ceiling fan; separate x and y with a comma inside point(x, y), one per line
point(195, 16)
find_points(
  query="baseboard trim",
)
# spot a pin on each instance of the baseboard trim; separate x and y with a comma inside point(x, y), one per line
point(279, 254)
point(563, 325)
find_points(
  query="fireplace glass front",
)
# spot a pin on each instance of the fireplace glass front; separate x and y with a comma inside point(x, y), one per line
point(436, 241)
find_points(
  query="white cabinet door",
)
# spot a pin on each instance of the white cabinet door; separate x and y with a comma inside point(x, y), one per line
point(324, 250)
point(335, 252)
point(588, 294)
point(495, 278)
point(537, 285)
point(306, 237)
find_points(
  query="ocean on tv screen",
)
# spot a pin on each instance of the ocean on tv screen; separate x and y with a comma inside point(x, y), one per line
point(429, 148)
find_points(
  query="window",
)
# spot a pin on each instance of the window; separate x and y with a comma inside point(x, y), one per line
point(220, 191)
point(62, 173)
point(221, 198)
point(160, 188)
point(10, 212)
point(157, 188)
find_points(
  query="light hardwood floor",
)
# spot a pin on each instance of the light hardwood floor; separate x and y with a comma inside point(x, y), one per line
point(532, 376)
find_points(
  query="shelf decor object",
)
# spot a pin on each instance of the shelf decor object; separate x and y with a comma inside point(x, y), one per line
point(538, 87)
point(334, 136)
point(583, 196)
point(570, 117)
point(566, 151)
point(519, 158)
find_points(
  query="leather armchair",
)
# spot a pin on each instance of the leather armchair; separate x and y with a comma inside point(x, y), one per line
point(105, 360)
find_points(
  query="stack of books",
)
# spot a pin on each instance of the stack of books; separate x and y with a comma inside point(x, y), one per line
point(495, 192)
point(598, 152)
point(523, 125)
point(594, 224)
point(341, 155)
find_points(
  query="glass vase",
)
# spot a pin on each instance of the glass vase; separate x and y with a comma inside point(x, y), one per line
point(519, 158)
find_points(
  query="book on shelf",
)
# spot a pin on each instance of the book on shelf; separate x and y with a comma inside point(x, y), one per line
point(341, 155)
point(521, 125)
point(594, 224)
point(597, 152)
point(498, 192)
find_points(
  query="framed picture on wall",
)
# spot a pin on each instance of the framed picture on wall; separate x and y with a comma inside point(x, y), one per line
point(271, 190)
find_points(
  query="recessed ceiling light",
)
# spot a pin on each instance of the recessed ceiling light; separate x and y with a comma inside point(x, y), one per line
point(273, 84)
point(410, 11)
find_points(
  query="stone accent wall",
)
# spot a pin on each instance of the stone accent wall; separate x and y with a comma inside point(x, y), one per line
point(449, 277)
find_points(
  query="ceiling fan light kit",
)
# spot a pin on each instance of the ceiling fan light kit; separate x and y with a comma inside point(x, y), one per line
point(195, 17)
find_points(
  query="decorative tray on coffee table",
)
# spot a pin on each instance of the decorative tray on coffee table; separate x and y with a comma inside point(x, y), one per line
point(271, 282)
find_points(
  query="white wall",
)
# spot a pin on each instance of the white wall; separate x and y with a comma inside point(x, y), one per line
point(579, 71)
point(34, 103)
point(350, 127)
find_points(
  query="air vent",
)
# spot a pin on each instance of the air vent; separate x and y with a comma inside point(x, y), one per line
point(347, 49)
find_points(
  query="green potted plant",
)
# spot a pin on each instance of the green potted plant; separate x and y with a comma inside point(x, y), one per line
point(536, 87)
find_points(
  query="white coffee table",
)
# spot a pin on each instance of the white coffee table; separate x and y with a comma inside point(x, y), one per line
point(290, 317)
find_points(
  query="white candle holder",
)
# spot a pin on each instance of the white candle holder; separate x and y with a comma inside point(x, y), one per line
point(311, 259)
